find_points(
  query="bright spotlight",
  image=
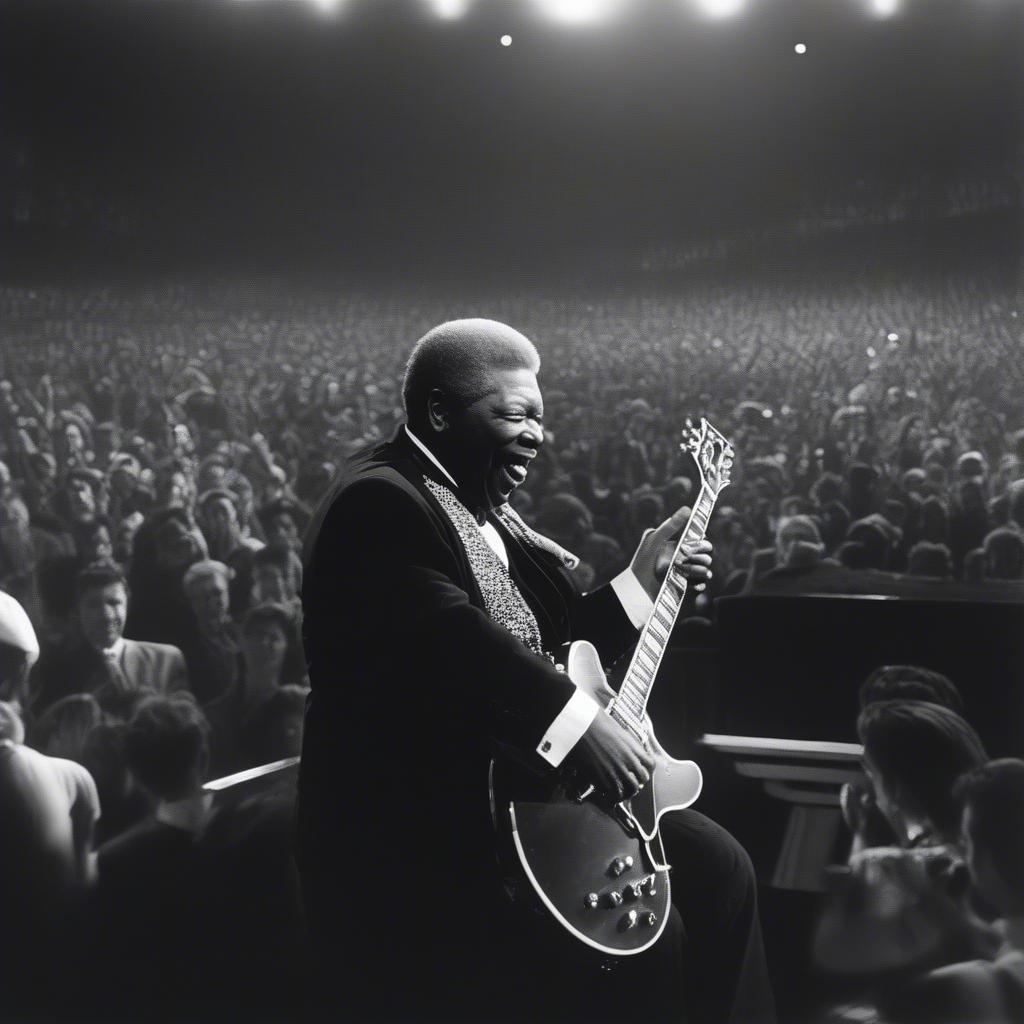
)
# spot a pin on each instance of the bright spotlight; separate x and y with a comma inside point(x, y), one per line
point(506, 40)
point(578, 12)
point(892, 336)
point(449, 10)
point(800, 48)
point(884, 8)
point(720, 8)
point(326, 6)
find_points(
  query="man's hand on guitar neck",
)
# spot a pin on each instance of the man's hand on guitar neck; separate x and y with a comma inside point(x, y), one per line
point(611, 758)
point(656, 547)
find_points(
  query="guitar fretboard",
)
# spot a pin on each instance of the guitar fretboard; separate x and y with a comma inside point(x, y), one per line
point(630, 705)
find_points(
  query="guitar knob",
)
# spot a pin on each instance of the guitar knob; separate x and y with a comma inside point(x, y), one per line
point(614, 899)
point(650, 919)
point(649, 885)
point(628, 861)
point(592, 900)
point(616, 867)
point(628, 921)
point(634, 891)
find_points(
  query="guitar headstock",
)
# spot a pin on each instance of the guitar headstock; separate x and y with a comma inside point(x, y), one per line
point(711, 451)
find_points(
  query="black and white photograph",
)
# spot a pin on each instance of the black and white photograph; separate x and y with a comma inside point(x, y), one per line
point(512, 511)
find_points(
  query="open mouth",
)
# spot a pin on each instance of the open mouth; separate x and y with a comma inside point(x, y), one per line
point(513, 473)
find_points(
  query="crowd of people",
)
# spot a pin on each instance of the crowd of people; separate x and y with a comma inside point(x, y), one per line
point(926, 916)
point(162, 451)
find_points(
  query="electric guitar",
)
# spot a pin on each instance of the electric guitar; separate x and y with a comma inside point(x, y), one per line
point(594, 865)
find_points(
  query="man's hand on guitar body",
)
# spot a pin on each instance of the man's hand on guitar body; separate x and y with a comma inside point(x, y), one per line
point(612, 759)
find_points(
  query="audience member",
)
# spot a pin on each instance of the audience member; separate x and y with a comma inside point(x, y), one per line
point(100, 660)
point(211, 645)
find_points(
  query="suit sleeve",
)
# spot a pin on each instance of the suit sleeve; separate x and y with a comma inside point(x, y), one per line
point(382, 585)
point(601, 618)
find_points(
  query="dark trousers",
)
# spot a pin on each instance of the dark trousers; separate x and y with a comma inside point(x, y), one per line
point(489, 961)
point(715, 891)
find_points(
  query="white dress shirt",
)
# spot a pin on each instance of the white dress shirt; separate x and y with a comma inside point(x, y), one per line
point(575, 717)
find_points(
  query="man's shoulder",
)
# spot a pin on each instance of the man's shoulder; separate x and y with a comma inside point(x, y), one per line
point(154, 651)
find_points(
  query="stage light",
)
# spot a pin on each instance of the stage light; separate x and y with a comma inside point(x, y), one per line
point(506, 40)
point(800, 48)
point(578, 12)
point(871, 352)
point(449, 10)
point(883, 8)
point(892, 336)
point(720, 8)
point(327, 6)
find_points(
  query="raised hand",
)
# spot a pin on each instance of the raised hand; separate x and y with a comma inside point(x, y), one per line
point(654, 553)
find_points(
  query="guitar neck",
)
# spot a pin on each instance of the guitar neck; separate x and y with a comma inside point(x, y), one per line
point(630, 705)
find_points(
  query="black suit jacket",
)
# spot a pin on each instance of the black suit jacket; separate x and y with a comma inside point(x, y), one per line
point(412, 684)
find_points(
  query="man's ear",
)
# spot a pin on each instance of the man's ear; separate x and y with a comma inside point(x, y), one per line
point(438, 411)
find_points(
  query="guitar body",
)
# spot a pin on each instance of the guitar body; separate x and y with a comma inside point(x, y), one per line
point(598, 868)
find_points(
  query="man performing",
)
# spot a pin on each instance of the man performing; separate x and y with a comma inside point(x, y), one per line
point(429, 609)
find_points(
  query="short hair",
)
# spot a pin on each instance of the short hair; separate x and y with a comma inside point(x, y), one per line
point(458, 357)
point(994, 792)
point(798, 527)
point(1004, 550)
point(928, 559)
point(97, 575)
point(63, 728)
point(167, 744)
point(910, 682)
point(872, 538)
point(922, 749)
point(207, 567)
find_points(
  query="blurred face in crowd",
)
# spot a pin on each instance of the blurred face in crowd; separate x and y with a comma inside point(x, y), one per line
point(123, 482)
point(272, 585)
point(81, 500)
point(209, 599)
point(176, 547)
point(5, 481)
point(72, 437)
point(125, 541)
point(174, 490)
point(263, 647)
point(100, 548)
point(283, 532)
point(489, 444)
point(101, 614)
point(211, 477)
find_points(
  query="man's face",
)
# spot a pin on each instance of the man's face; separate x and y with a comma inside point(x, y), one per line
point(101, 614)
point(175, 546)
point(490, 443)
point(271, 585)
point(209, 599)
point(221, 515)
point(283, 531)
point(81, 501)
point(265, 644)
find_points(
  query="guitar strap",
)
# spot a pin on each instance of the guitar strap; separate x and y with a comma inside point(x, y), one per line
point(503, 600)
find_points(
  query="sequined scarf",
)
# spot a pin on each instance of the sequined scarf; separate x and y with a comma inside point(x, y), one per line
point(503, 600)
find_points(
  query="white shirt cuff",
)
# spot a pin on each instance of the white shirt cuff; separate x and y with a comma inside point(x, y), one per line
point(565, 731)
point(634, 599)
